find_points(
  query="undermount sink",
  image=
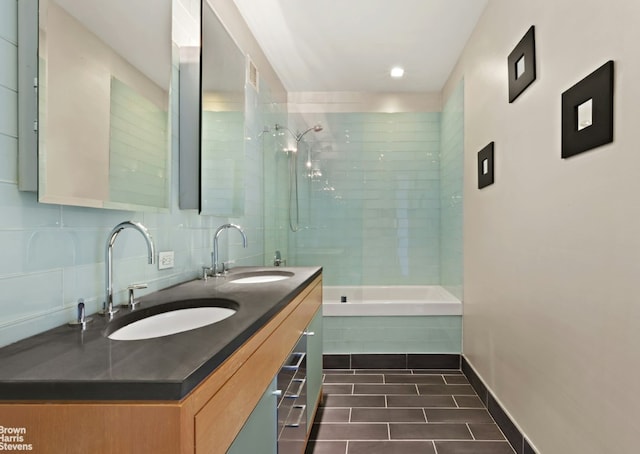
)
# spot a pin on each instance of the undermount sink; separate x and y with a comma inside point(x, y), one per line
point(172, 322)
point(259, 277)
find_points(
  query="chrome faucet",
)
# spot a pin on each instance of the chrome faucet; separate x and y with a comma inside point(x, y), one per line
point(214, 255)
point(108, 310)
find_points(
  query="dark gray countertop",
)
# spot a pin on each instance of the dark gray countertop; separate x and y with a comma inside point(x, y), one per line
point(67, 364)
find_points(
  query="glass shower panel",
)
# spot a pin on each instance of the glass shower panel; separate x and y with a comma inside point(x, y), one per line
point(331, 202)
point(370, 202)
point(276, 174)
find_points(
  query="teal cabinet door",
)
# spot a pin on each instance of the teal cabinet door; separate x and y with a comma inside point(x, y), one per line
point(259, 434)
point(314, 365)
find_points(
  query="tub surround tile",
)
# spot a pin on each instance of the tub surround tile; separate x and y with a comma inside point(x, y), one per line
point(433, 361)
point(383, 361)
point(336, 361)
point(405, 363)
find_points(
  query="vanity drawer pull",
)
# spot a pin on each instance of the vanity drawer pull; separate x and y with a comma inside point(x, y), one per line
point(294, 361)
point(302, 409)
point(298, 392)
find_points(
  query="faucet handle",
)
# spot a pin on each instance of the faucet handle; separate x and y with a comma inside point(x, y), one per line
point(206, 272)
point(132, 303)
point(226, 266)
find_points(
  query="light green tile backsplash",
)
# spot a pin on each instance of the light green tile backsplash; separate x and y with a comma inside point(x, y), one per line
point(429, 334)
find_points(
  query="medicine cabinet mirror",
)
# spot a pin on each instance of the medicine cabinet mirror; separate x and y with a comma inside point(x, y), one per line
point(221, 108)
point(103, 83)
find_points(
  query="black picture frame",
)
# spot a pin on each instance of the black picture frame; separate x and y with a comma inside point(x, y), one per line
point(525, 53)
point(596, 88)
point(485, 166)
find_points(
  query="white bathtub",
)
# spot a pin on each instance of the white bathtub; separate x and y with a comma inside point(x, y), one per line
point(396, 300)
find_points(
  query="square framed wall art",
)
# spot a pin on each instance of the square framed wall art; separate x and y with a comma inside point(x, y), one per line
point(485, 166)
point(587, 112)
point(522, 65)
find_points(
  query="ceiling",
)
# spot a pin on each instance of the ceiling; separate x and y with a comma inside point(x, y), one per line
point(118, 22)
point(351, 45)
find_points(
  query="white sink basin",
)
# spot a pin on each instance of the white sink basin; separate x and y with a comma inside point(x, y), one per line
point(260, 279)
point(172, 322)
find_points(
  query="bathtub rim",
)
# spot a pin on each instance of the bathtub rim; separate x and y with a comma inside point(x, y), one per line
point(443, 304)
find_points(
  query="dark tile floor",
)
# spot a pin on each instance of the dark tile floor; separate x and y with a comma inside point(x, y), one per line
point(403, 411)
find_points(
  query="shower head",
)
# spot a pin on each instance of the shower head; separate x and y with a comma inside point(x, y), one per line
point(315, 128)
point(298, 137)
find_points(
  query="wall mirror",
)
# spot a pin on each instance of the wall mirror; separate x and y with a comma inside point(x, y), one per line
point(212, 126)
point(222, 132)
point(104, 74)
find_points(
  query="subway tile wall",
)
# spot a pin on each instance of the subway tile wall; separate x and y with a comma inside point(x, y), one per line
point(432, 334)
point(369, 198)
point(52, 255)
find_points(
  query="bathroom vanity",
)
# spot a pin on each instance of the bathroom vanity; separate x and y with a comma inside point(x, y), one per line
point(68, 390)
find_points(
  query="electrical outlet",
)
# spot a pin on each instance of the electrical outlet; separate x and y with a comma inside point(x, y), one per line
point(165, 260)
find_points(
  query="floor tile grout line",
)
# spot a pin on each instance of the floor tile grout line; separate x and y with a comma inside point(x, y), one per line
point(470, 431)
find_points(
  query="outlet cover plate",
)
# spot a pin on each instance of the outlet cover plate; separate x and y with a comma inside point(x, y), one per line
point(165, 260)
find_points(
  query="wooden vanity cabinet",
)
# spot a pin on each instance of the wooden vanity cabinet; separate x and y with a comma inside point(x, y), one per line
point(207, 420)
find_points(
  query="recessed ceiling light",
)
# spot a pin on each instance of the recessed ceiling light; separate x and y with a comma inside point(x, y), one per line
point(397, 72)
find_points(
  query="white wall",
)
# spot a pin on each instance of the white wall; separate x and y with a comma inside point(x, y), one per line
point(552, 249)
